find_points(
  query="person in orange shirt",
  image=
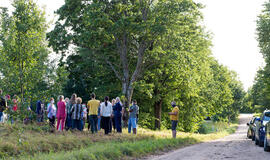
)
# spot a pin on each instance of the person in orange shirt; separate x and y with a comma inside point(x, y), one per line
point(174, 116)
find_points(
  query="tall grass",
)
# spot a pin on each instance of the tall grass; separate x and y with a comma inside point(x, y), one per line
point(34, 142)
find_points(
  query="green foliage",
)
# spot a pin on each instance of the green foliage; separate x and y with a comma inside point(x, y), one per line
point(23, 48)
point(260, 92)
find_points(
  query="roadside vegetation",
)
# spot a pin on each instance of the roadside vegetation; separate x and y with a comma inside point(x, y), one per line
point(24, 142)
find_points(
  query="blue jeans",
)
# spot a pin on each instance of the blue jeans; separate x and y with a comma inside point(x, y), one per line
point(1, 116)
point(77, 124)
point(68, 122)
point(131, 123)
point(93, 122)
point(99, 121)
point(118, 123)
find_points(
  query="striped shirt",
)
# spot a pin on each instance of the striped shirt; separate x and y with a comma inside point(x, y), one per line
point(77, 112)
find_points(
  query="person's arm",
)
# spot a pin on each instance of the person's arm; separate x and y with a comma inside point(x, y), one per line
point(101, 110)
point(173, 113)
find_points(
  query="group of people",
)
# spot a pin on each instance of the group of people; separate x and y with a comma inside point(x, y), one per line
point(71, 114)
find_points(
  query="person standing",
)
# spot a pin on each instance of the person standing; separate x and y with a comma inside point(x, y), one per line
point(3, 105)
point(174, 116)
point(84, 115)
point(106, 113)
point(51, 110)
point(77, 114)
point(117, 112)
point(132, 122)
point(93, 105)
point(69, 104)
point(112, 121)
point(99, 119)
point(68, 119)
point(40, 111)
point(61, 113)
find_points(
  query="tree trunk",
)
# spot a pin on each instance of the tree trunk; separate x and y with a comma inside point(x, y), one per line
point(158, 109)
point(127, 91)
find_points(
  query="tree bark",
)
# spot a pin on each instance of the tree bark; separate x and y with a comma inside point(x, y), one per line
point(158, 109)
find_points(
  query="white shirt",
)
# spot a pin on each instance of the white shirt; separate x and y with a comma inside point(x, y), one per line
point(106, 111)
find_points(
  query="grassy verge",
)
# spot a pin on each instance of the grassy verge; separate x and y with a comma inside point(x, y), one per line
point(115, 146)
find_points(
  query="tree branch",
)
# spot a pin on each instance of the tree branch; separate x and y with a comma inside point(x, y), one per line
point(114, 70)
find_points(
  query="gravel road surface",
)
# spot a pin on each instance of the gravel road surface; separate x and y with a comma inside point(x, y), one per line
point(232, 147)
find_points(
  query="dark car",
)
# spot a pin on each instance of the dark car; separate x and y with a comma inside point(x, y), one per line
point(260, 128)
point(267, 137)
point(252, 127)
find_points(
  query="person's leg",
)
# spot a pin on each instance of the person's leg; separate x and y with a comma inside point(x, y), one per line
point(110, 125)
point(95, 119)
point(1, 117)
point(129, 125)
point(174, 125)
point(134, 125)
point(73, 124)
point(50, 122)
point(113, 123)
point(107, 125)
point(99, 123)
point(53, 122)
point(58, 122)
point(89, 122)
point(63, 123)
point(81, 125)
point(118, 123)
point(92, 121)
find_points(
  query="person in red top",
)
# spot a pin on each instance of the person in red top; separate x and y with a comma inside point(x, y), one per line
point(15, 105)
point(61, 113)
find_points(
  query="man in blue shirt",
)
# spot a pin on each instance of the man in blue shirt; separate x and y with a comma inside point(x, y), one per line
point(132, 122)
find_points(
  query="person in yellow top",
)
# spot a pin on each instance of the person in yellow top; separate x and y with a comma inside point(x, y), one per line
point(174, 116)
point(92, 106)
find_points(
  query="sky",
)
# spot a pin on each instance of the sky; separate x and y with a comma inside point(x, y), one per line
point(232, 24)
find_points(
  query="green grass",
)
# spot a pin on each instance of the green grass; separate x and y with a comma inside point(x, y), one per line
point(33, 142)
point(211, 127)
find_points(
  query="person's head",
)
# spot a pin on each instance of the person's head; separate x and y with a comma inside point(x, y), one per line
point(66, 100)
point(73, 98)
point(113, 101)
point(173, 103)
point(79, 100)
point(134, 102)
point(106, 99)
point(52, 100)
point(61, 98)
point(118, 100)
point(93, 95)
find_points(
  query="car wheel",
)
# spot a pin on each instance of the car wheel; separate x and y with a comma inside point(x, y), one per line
point(266, 147)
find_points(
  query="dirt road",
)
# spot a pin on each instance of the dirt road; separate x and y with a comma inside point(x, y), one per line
point(233, 147)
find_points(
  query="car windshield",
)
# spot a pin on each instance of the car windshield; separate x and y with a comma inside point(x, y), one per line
point(267, 116)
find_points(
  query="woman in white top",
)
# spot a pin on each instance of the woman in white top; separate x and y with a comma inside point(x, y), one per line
point(106, 113)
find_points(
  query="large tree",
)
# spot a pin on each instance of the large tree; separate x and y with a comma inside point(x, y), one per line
point(121, 33)
point(23, 53)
